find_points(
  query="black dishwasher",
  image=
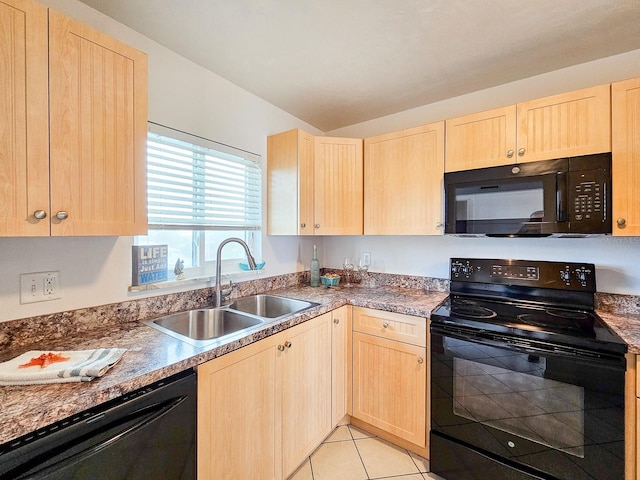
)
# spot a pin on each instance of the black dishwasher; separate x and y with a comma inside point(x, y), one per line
point(149, 433)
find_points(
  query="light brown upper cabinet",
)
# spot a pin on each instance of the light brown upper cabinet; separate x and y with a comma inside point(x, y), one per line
point(569, 124)
point(338, 186)
point(403, 177)
point(315, 185)
point(290, 183)
point(625, 101)
point(74, 105)
point(24, 120)
point(484, 139)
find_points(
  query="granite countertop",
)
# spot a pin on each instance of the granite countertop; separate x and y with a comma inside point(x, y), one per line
point(152, 355)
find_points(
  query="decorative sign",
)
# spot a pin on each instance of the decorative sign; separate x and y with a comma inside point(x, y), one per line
point(149, 264)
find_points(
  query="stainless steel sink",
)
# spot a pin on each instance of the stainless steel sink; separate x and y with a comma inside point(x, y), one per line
point(269, 306)
point(207, 326)
point(204, 326)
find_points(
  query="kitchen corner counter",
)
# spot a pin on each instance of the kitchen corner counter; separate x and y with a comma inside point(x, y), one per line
point(152, 355)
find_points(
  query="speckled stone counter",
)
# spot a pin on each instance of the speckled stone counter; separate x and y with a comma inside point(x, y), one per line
point(622, 315)
point(152, 355)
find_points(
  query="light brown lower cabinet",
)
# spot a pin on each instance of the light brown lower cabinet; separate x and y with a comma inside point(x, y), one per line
point(390, 375)
point(264, 408)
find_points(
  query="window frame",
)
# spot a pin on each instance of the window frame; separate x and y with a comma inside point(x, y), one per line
point(252, 205)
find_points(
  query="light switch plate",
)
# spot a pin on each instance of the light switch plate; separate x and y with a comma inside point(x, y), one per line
point(39, 287)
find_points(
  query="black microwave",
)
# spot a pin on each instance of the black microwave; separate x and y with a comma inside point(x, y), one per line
point(561, 197)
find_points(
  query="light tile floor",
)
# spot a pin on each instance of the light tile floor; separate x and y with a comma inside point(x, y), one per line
point(349, 453)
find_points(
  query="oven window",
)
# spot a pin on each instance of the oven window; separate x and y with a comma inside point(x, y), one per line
point(542, 410)
point(504, 201)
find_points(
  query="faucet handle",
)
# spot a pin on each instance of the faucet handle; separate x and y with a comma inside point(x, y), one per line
point(225, 293)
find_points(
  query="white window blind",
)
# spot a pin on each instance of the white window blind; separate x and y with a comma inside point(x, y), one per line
point(195, 183)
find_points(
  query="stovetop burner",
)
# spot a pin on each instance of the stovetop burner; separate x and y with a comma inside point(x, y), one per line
point(521, 315)
point(579, 322)
point(469, 309)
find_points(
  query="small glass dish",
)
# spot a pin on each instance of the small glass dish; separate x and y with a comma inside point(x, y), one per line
point(245, 266)
point(329, 281)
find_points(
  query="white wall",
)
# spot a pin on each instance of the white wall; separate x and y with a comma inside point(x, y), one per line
point(182, 95)
point(96, 271)
point(616, 259)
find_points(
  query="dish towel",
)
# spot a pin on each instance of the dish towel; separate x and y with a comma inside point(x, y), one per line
point(77, 366)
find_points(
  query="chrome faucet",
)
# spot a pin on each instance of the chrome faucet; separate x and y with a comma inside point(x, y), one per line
point(220, 294)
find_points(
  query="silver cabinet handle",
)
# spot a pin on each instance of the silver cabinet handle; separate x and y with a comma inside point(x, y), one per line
point(281, 348)
point(439, 225)
point(40, 214)
point(303, 225)
point(287, 344)
point(509, 153)
point(62, 215)
point(621, 222)
point(336, 321)
point(420, 360)
point(317, 225)
point(521, 152)
point(385, 324)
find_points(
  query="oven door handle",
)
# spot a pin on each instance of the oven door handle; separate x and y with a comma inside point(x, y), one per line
point(530, 347)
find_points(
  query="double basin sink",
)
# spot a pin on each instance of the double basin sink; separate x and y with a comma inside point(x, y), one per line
point(205, 326)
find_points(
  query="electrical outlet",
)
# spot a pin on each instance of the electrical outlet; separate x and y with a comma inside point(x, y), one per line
point(366, 258)
point(39, 287)
point(49, 286)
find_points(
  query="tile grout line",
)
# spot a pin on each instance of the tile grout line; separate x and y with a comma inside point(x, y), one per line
point(355, 444)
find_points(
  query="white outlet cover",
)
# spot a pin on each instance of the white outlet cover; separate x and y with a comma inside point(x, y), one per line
point(32, 287)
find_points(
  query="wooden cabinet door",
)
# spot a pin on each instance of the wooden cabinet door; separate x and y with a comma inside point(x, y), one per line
point(625, 98)
point(566, 125)
point(389, 386)
point(237, 420)
point(484, 139)
point(338, 186)
point(24, 123)
point(339, 364)
point(290, 183)
point(305, 376)
point(98, 122)
point(403, 182)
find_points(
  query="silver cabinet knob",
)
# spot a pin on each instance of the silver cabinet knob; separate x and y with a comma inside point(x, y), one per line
point(509, 153)
point(40, 214)
point(521, 152)
point(621, 222)
point(287, 344)
point(281, 348)
point(439, 225)
point(420, 360)
point(317, 225)
point(303, 225)
point(62, 215)
point(336, 321)
point(385, 324)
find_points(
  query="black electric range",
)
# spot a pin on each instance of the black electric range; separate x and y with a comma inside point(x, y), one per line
point(527, 382)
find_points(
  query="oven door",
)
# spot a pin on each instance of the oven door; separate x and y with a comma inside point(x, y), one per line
point(519, 410)
point(513, 200)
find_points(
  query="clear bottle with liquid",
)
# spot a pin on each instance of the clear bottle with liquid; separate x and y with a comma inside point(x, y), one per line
point(315, 269)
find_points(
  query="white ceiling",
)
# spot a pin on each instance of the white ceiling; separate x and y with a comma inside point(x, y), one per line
point(334, 63)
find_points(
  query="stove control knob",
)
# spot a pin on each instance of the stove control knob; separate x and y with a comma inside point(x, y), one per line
point(565, 276)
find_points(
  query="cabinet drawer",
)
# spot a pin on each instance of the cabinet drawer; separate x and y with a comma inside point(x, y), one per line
point(394, 326)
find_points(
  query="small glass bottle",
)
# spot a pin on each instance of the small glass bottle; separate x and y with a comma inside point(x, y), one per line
point(315, 269)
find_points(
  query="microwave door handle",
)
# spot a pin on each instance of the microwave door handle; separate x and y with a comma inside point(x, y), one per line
point(561, 196)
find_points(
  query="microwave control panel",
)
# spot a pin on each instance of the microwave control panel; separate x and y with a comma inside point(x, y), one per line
point(589, 202)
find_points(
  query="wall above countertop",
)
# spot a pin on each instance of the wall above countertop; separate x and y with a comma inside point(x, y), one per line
point(428, 256)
